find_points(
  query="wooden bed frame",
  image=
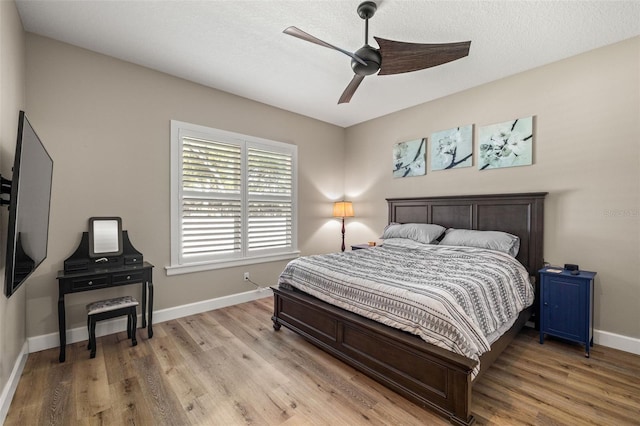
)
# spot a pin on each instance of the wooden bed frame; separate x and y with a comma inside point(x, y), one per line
point(431, 377)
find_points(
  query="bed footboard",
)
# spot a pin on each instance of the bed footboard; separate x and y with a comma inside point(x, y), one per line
point(429, 376)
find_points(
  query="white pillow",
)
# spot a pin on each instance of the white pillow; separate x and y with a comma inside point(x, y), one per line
point(493, 240)
point(404, 243)
point(425, 233)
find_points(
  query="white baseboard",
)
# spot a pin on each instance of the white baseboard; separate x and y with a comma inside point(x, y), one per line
point(103, 328)
point(12, 384)
point(611, 340)
point(616, 341)
point(210, 305)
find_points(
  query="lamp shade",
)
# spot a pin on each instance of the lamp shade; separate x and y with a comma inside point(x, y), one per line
point(342, 209)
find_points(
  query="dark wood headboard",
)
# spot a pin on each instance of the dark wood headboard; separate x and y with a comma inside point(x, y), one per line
point(518, 214)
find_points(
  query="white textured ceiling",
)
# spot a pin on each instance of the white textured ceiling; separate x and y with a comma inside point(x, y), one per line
point(238, 46)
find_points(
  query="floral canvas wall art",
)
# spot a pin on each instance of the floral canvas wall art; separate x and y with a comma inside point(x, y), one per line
point(507, 144)
point(452, 148)
point(409, 158)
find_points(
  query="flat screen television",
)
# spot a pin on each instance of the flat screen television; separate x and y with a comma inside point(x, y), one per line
point(29, 204)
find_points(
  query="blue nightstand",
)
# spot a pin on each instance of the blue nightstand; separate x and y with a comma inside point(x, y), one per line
point(566, 306)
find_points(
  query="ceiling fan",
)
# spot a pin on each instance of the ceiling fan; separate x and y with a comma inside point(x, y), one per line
point(393, 57)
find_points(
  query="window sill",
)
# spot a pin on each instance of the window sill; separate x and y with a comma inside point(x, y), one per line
point(206, 266)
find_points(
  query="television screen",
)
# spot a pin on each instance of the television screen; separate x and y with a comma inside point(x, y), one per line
point(29, 204)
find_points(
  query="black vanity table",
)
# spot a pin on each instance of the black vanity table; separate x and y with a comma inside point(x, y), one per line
point(85, 272)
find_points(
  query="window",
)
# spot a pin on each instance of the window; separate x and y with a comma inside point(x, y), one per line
point(233, 199)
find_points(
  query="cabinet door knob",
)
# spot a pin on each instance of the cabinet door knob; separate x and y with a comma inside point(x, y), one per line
point(128, 277)
point(546, 304)
point(90, 282)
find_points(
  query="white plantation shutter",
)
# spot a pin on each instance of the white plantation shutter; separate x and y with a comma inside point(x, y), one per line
point(269, 181)
point(211, 198)
point(233, 198)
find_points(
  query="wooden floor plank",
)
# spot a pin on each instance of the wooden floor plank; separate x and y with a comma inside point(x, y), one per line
point(576, 402)
point(176, 369)
point(229, 367)
point(213, 367)
point(165, 407)
point(128, 406)
point(57, 403)
point(91, 387)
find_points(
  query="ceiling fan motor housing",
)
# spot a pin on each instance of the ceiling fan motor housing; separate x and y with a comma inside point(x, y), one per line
point(371, 56)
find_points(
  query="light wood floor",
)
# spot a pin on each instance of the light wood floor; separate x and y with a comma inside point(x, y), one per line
point(230, 367)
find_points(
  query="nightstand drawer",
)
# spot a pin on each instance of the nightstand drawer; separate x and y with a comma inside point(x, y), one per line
point(128, 277)
point(93, 282)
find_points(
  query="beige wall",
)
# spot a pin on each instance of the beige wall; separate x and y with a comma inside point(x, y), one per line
point(12, 99)
point(586, 155)
point(106, 123)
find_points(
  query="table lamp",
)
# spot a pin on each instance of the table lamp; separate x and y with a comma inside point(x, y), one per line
point(342, 209)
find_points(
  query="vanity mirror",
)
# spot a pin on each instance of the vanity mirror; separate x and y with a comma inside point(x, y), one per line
point(105, 236)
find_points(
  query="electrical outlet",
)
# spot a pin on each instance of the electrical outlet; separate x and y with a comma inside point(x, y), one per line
point(246, 276)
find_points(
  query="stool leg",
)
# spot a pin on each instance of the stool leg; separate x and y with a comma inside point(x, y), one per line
point(134, 321)
point(92, 337)
point(89, 331)
point(129, 325)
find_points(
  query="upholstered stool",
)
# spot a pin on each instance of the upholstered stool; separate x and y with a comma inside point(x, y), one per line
point(111, 308)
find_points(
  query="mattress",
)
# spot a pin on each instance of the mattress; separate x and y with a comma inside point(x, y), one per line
point(458, 298)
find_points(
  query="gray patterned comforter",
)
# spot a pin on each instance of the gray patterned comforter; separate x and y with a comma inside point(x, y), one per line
point(458, 298)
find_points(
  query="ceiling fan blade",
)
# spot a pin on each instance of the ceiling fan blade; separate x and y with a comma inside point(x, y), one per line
point(399, 57)
point(351, 89)
point(297, 32)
